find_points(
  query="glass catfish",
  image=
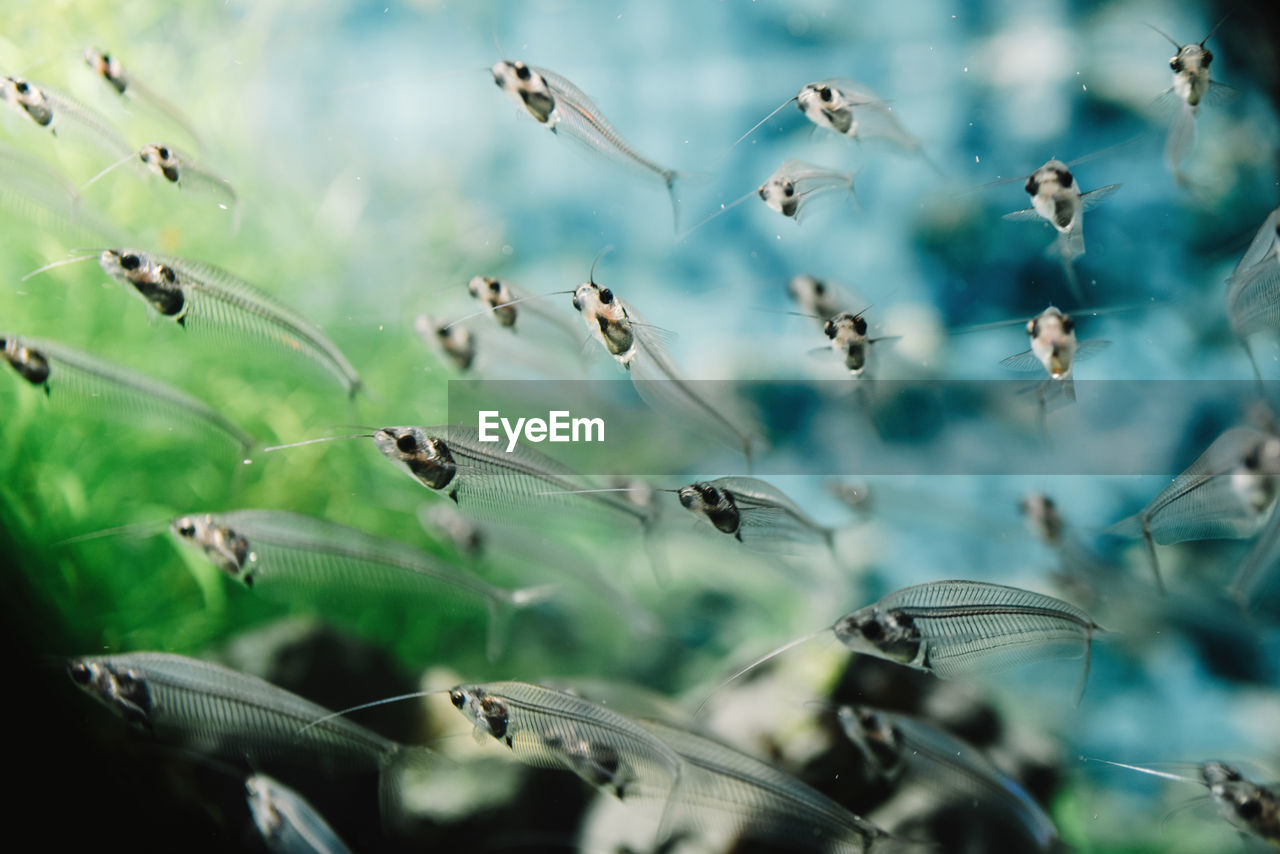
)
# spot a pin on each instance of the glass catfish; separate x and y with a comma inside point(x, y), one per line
point(558, 105)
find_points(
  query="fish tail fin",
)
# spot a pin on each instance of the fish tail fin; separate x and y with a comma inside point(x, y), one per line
point(1151, 556)
point(1182, 136)
point(399, 769)
point(669, 178)
point(1129, 526)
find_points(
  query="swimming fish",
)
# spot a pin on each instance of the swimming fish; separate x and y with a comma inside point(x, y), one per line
point(108, 390)
point(51, 109)
point(1252, 809)
point(1056, 197)
point(1224, 494)
point(291, 558)
point(558, 105)
point(1253, 289)
point(289, 824)
point(179, 170)
point(1054, 349)
point(216, 711)
point(201, 297)
point(554, 729)
point(791, 186)
point(759, 800)
point(108, 67)
point(639, 348)
point(1191, 83)
point(849, 341)
point(817, 297)
point(900, 748)
point(754, 513)
point(455, 342)
point(960, 628)
point(501, 298)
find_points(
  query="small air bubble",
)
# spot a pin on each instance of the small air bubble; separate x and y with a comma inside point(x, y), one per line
point(247, 461)
point(977, 159)
point(966, 69)
point(506, 249)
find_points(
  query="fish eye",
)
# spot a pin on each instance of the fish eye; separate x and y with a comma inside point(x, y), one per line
point(761, 192)
point(1068, 325)
point(1249, 808)
point(1176, 63)
point(79, 673)
point(825, 93)
point(495, 286)
point(163, 152)
point(577, 305)
point(830, 329)
point(1207, 56)
point(130, 261)
point(860, 325)
point(788, 189)
point(187, 530)
point(1033, 328)
point(1032, 186)
point(709, 494)
point(819, 288)
point(1065, 178)
point(606, 296)
point(21, 86)
point(457, 698)
point(522, 71)
point(407, 442)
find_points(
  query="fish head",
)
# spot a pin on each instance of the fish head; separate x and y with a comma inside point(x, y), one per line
point(826, 106)
point(155, 282)
point(885, 633)
point(119, 687)
point(528, 88)
point(454, 340)
point(24, 94)
point(226, 549)
point(875, 736)
point(494, 294)
point(1191, 72)
point(30, 364)
point(715, 505)
point(162, 160)
point(263, 793)
point(1241, 802)
point(1040, 513)
point(488, 713)
point(107, 67)
point(606, 317)
point(1053, 340)
point(812, 294)
point(427, 458)
point(780, 194)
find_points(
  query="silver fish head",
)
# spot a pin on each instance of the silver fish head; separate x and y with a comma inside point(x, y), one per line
point(226, 549)
point(162, 160)
point(1244, 804)
point(890, 634)
point(118, 687)
point(779, 193)
point(106, 67)
point(486, 712)
point(494, 294)
point(1040, 513)
point(1054, 194)
point(454, 340)
point(826, 106)
point(1191, 72)
point(155, 282)
point(848, 334)
point(812, 294)
point(30, 364)
point(605, 317)
point(262, 793)
point(874, 735)
point(715, 505)
point(425, 457)
point(24, 94)
point(1053, 340)
point(528, 88)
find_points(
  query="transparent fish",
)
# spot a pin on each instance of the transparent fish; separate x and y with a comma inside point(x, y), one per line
point(1253, 290)
point(291, 558)
point(956, 629)
point(213, 710)
point(1079, 567)
point(179, 170)
point(1225, 494)
point(201, 297)
point(850, 342)
point(790, 188)
point(289, 824)
point(500, 297)
point(817, 297)
point(759, 800)
point(755, 513)
point(560, 106)
point(1056, 197)
point(115, 75)
point(1055, 350)
point(56, 111)
point(73, 378)
point(554, 729)
point(900, 748)
point(640, 349)
point(38, 196)
point(1191, 84)
point(454, 342)
point(1251, 809)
